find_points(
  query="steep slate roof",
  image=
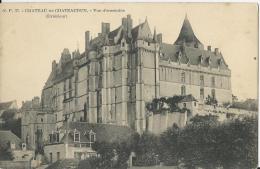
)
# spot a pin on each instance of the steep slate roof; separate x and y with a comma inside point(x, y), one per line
point(66, 71)
point(104, 132)
point(6, 136)
point(6, 105)
point(191, 55)
point(187, 35)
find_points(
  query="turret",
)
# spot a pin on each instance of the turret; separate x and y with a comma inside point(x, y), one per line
point(187, 35)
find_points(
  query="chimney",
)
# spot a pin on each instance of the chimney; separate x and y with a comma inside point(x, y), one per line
point(209, 48)
point(159, 38)
point(54, 66)
point(216, 50)
point(124, 23)
point(86, 40)
point(129, 24)
point(105, 28)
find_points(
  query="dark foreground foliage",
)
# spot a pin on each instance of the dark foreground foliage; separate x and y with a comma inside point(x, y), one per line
point(203, 143)
point(207, 144)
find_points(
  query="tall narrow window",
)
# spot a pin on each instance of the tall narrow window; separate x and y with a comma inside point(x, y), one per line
point(183, 77)
point(70, 87)
point(58, 155)
point(201, 80)
point(50, 157)
point(183, 90)
point(86, 112)
point(64, 90)
point(202, 93)
point(76, 136)
point(213, 93)
point(213, 81)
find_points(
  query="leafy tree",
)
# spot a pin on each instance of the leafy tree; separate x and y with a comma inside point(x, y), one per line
point(111, 155)
point(10, 122)
point(146, 150)
point(5, 153)
point(211, 100)
point(169, 149)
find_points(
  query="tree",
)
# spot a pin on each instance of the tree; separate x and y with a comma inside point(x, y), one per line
point(11, 123)
point(169, 149)
point(146, 149)
point(111, 155)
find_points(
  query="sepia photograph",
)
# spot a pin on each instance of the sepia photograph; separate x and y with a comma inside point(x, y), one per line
point(129, 85)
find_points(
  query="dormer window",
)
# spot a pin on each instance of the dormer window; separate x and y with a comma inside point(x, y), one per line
point(23, 146)
point(76, 136)
point(92, 136)
point(123, 44)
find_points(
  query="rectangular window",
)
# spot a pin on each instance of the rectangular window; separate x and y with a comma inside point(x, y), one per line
point(64, 90)
point(202, 93)
point(76, 137)
point(213, 81)
point(58, 155)
point(70, 88)
point(183, 77)
point(201, 80)
point(183, 90)
point(50, 157)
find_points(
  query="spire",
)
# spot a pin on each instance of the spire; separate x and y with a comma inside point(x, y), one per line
point(146, 19)
point(187, 35)
point(155, 35)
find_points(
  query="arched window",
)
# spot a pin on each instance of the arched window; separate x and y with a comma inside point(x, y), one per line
point(183, 90)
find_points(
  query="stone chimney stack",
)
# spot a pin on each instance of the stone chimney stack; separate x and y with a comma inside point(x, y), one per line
point(216, 51)
point(209, 48)
point(86, 40)
point(159, 38)
point(124, 23)
point(105, 28)
point(127, 24)
point(54, 67)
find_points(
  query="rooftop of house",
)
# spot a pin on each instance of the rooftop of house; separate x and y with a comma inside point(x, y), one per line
point(8, 105)
point(7, 137)
point(103, 132)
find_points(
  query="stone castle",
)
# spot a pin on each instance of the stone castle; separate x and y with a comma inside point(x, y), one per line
point(123, 69)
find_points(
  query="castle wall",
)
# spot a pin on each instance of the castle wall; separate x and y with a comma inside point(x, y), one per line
point(172, 80)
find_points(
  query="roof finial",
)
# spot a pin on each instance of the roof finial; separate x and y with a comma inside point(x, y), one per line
point(186, 16)
point(77, 45)
point(155, 35)
point(146, 19)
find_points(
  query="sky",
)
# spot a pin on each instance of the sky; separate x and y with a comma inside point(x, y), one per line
point(29, 41)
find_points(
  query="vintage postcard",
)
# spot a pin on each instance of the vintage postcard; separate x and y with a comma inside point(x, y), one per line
point(128, 85)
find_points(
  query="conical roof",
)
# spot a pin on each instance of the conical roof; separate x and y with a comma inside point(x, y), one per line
point(187, 35)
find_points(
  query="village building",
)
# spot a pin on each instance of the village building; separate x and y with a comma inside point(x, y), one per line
point(74, 140)
point(20, 151)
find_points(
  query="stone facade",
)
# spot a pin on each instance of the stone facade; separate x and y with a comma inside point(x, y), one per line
point(121, 70)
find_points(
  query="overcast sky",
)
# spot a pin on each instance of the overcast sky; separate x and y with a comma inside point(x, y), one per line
point(29, 41)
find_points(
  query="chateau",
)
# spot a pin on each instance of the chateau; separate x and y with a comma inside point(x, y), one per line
point(123, 69)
